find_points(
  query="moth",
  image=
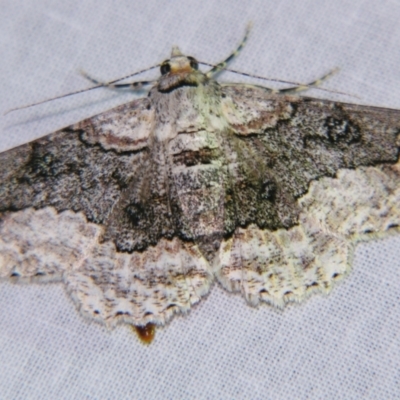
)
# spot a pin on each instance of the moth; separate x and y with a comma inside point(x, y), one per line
point(140, 209)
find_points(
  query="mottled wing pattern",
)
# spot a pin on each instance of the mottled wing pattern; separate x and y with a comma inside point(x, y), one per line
point(139, 208)
point(89, 205)
point(312, 178)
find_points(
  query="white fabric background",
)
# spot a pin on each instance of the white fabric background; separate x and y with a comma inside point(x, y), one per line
point(346, 345)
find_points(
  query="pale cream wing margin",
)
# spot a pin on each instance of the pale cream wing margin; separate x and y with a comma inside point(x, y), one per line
point(357, 204)
point(45, 234)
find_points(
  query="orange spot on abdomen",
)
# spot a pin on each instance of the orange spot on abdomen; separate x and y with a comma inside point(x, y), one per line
point(146, 333)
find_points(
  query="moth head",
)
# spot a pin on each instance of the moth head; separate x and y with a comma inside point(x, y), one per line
point(179, 70)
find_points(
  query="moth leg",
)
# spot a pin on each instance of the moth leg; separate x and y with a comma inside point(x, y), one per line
point(220, 66)
point(301, 88)
point(133, 85)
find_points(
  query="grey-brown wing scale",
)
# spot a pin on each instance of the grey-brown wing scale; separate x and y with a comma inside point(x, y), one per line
point(90, 205)
point(137, 212)
point(312, 178)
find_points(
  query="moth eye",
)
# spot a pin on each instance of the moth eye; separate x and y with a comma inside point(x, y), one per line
point(193, 63)
point(165, 68)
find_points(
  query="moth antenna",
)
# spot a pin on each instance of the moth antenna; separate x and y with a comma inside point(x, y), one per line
point(98, 85)
point(51, 99)
point(298, 84)
point(133, 85)
point(222, 65)
point(302, 87)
